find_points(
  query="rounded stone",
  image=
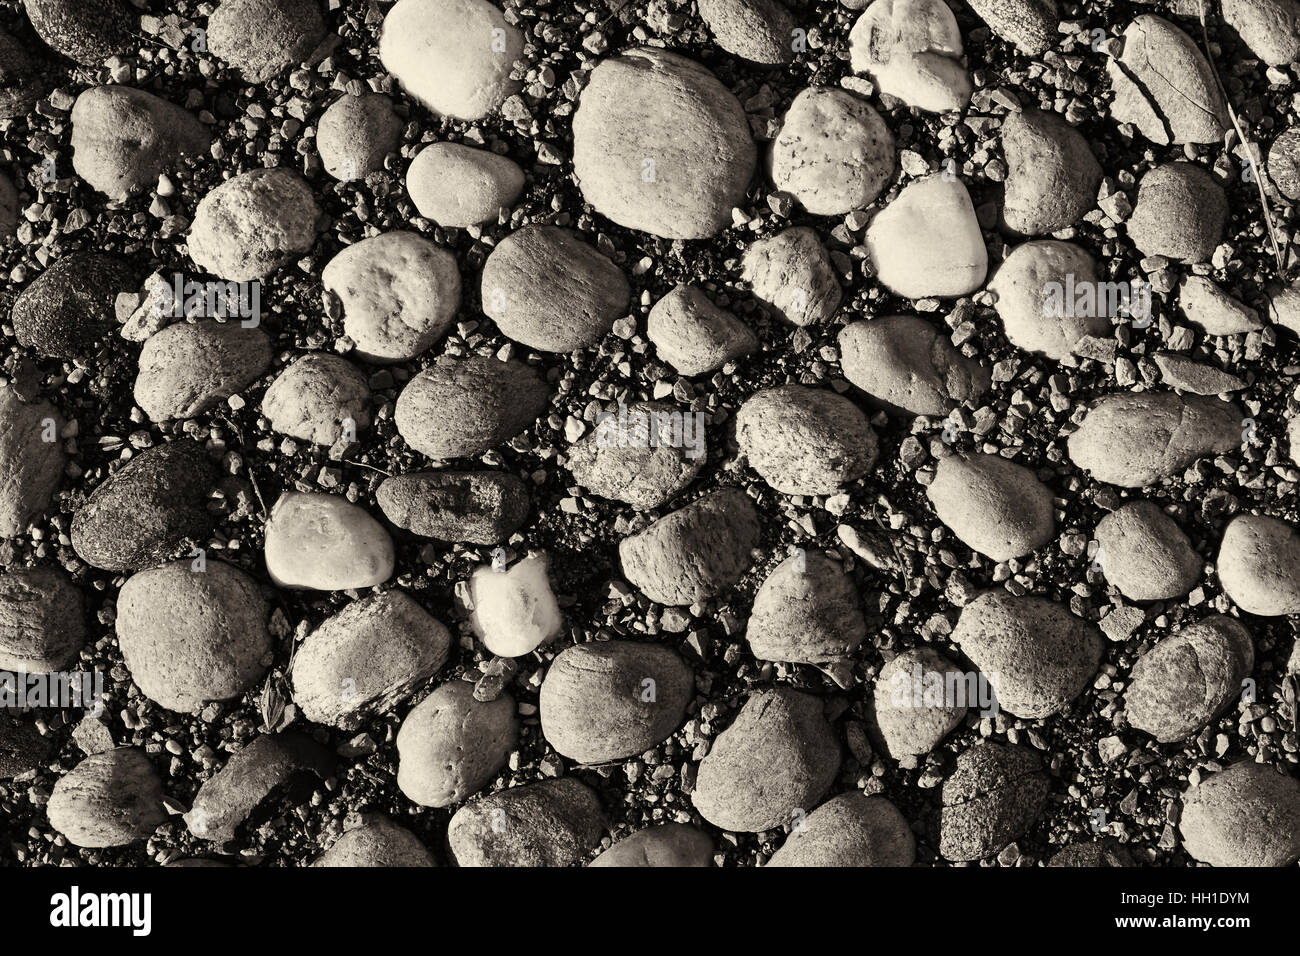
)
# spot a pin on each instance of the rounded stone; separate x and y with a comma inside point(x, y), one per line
point(253, 224)
point(993, 505)
point(1098, 853)
point(399, 294)
point(758, 30)
point(1052, 175)
point(912, 49)
point(834, 153)
point(452, 744)
point(771, 766)
point(460, 408)
point(1270, 28)
point(458, 186)
point(1145, 554)
point(609, 701)
point(791, 274)
point(1029, 24)
point(904, 363)
point(367, 658)
point(123, 138)
point(112, 798)
point(151, 510)
point(455, 56)
point(693, 335)
point(661, 146)
point(927, 241)
point(320, 398)
point(322, 542)
point(1186, 680)
point(994, 795)
point(642, 454)
point(1180, 213)
point(808, 610)
point(849, 830)
point(1134, 439)
point(67, 312)
point(379, 842)
point(551, 823)
point(41, 624)
point(356, 133)
point(550, 291)
point(513, 609)
point(191, 636)
point(478, 507)
point(1284, 162)
point(1037, 656)
point(1259, 565)
point(31, 459)
point(666, 844)
point(805, 441)
point(1247, 814)
point(1042, 291)
point(187, 368)
point(916, 701)
point(261, 38)
point(86, 31)
point(1164, 86)
point(696, 552)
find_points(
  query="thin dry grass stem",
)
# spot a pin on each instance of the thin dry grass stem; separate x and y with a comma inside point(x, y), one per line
point(1246, 144)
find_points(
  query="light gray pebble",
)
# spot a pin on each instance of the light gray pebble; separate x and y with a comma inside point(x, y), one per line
point(187, 368)
point(31, 459)
point(661, 146)
point(113, 798)
point(1247, 814)
point(551, 823)
point(452, 744)
point(1270, 28)
point(356, 133)
point(367, 658)
point(1052, 175)
point(458, 186)
point(459, 408)
point(320, 398)
point(378, 842)
point(1213, 310)
point(547, 289)
point(1180, 213)
point(1259, 565)
point(1187, 679)
point(123, 138)
point(805, 441)
point(1134, 439)
point(1034, 301)
point(834, 153)
point(849, 830)
point(758, 30)
point(1036, 654)
point(608, 701)
point(1029, 24)
point(253, 224)
point(905, 363)
point(771, 766)
point(399, 294)
point(190, 637)
point(694, 553)
point(1145, 554)
point(695, 336)
point(994, 506)
point(260, 38)
point(791, 274)
point(807, 610)
point(666, 845)
point(918, 699)
point(643, 454)
point(323, 542)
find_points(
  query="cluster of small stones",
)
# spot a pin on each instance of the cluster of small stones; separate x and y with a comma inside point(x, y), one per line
point(650, 433)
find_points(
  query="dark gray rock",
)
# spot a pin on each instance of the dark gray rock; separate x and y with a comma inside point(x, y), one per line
point(993, 796)
point(552, 823)
point(68, 311)
point(479, 507)
point(666, 845)
point(153, 509)
point(87, 31)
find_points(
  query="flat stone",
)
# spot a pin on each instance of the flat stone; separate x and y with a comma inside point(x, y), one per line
point(695, 336)
point(927, 241)
point(458, 186)
point(1052, 175)
point(666, 844)
point(320, 398)
point(916, 701)
point(478, 507)
point(31, 459)
point(187, 368)
point(109, 799)
point(1180, 213)
point(323, 542)
point(41, 625)
point(805, 441)
point(994, 506)
point(1247, 814)
point(379, 842)
point(791, 274)
point(1145, 554)
point(1259, 565)
point(807, 610)
point(994, 795)
point(451, 744)
point(643, 454)
point(849, 830)
point(906, 364)
point(551, 823)
point(1042, 291)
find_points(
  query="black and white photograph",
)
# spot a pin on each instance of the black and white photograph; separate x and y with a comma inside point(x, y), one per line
point(644, 434)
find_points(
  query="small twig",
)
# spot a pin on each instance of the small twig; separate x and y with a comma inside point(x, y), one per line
point(362, 464)
point(1246, 144)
